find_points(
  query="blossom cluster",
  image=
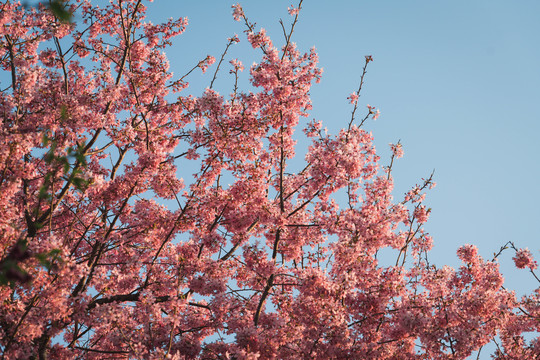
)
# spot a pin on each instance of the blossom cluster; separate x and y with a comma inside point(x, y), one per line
point(112, 247)
point(523, 259)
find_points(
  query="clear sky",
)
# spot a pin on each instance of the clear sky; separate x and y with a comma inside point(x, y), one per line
point(457, 81)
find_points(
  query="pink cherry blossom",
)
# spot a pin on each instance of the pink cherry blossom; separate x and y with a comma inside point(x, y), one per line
point(397, 150)
point(141, 219)
point(523, 259)
point(238, 13)
point(234, 39)
point(373, 112)
point(421, 214)
point(237, 65)
point(206, 63)
point(353, 98)
point(467, 253)
point(293, 11)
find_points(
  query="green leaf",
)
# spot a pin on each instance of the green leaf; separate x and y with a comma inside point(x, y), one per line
point(60, 12)
point(80, 158)
point(54, 252)
point(3, 279)
point(43, 259)
point(44, 193)
point(46, 259)
point(45, 139)
point(63, 112)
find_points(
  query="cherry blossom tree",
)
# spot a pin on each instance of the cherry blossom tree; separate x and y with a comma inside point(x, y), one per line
point(107, 252)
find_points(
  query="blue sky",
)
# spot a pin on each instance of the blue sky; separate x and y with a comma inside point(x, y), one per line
point(458, 82)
